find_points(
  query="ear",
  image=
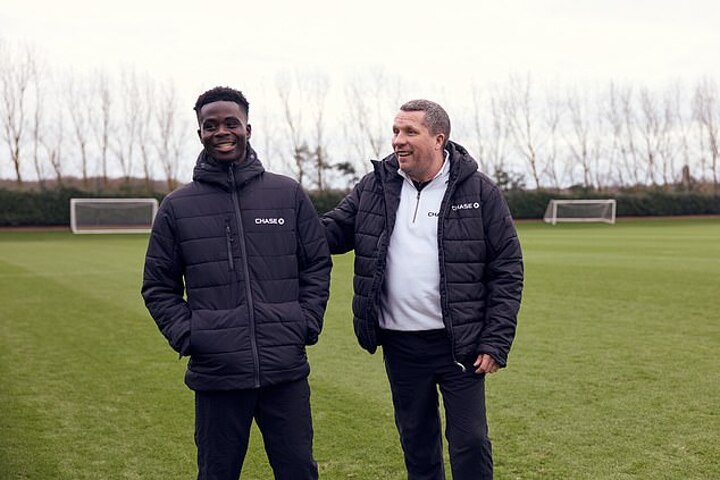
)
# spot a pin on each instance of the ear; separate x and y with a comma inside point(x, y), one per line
point(439, 141)
point(248, 129)
point(199, 134)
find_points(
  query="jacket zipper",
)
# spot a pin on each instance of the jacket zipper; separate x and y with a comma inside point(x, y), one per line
point(228, 242)
point(374, 298)
point(417, 204)
point(441, 234)
point(246, 274)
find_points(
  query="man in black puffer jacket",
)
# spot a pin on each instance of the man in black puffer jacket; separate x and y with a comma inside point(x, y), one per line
point(438, 283)
point(237, 277)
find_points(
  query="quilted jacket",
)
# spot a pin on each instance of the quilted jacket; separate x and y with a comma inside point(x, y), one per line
point(237, 275)
point(481, 269)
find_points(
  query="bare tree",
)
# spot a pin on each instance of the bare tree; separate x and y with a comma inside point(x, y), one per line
point(318, 91)
point(707, 113)
point(147, 103)
point(491, 120)
point(551, 121)
point(303, 96)
point(78, 102)
point(50, 135)
point(482, 137)
point(651, 128)
point(36, 129)
point(603, 165)
point(266, 139)
point(356, 125)
point(170, 139)
point(131, 116)
point(612, 114)
point(372, 98)
point(669, 145)
point(579, 142)
point(498, 136)
point(16, 75)
point(522, 117)
point(293, 116)
point(53, 144)
point(585, 142)
point(621, 118)
point(682, 132)
point(103, 125)
point(367, 99)
point(629, 131)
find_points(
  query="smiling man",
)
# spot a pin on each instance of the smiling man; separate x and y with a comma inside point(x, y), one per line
point(438, 282)
point(236, 277)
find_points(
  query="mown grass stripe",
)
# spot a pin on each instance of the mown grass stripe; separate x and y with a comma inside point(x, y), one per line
point(614, 373)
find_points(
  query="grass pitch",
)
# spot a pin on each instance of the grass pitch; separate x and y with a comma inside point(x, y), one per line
point(614, 374)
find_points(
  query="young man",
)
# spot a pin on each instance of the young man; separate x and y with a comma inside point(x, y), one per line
point(237, 277)
point(438, 282)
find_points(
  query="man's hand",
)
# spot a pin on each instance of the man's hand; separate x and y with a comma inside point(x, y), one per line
point(485, 364)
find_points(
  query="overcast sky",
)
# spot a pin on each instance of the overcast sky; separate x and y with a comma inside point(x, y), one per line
point(442, 45)
point(200, 44)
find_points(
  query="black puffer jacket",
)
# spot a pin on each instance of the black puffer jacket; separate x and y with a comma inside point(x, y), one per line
point(246, 248)
point(481, 270)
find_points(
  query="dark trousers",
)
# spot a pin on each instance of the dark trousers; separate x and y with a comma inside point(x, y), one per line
point(282, 413)
point(417, 363)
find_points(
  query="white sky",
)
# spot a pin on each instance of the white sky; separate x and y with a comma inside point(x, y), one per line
point(199, 44)
point(433, 45)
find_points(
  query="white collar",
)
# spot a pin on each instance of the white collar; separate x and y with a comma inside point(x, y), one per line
point(443, 172)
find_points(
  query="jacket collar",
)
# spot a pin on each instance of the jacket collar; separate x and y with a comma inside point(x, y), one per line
point(209, 170)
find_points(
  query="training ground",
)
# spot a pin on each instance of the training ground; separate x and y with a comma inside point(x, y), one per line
point(614, 373)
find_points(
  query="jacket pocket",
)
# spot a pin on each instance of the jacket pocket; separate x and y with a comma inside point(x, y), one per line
point(308, 332)
point(311, 332)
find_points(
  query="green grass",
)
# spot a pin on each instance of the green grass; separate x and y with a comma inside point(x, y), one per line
point(614, 374)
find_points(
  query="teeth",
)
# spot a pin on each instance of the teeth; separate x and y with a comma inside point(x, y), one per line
point(224, 147)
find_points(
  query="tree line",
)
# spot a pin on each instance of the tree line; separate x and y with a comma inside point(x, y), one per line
point(525, 135)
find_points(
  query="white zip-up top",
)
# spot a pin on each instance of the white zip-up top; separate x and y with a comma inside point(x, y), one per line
point(410, 299)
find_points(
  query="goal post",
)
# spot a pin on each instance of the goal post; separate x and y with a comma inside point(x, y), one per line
point(596, 210)
point(112, 215)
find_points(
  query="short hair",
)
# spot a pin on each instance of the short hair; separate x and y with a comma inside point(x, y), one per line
point(436, 118)
point(220, 94)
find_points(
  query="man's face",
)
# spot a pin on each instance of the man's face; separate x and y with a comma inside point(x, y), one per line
point(418, 151)
point(224, 130)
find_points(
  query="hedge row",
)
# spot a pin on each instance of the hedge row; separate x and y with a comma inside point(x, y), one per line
point(649, 203)
point(532, 204)
point(52, 206)
point(47, 207)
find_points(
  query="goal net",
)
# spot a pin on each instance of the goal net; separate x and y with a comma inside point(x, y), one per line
point(580, 211)
point(112, 215)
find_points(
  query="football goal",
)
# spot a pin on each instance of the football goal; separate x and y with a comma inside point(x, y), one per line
point(112, 215)
point(580, 211)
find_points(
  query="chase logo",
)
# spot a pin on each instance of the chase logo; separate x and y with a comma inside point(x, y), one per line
point(465, 206)
point(270, 221)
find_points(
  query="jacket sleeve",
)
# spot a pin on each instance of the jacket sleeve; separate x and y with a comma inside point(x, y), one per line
point(339, 223)
point(314, 265)
point(163, 287)
point(503, 278)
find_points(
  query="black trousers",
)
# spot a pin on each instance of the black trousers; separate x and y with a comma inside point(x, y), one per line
point(282, 412)
point(417, 363)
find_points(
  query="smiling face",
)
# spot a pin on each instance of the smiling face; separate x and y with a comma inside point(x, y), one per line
point(224, 130)
point(419, 152)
